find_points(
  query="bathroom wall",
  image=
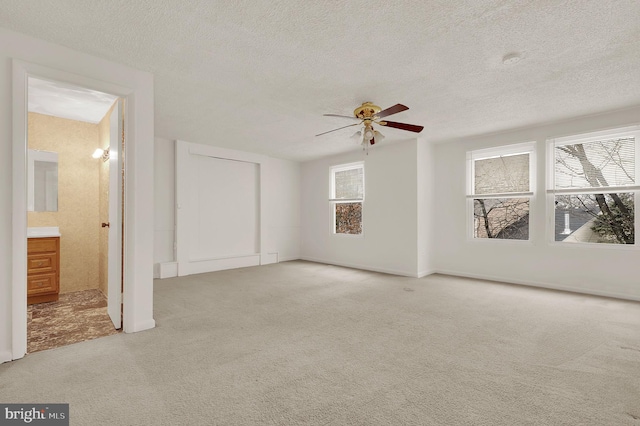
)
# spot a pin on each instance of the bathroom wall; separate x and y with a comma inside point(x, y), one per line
point(78, 203)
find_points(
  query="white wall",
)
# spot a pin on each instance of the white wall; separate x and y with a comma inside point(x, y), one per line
point(281, 198)
point(426, 211)
point(164, 190)
point(283, 208)
point(139, 211)
point(390, 225)
point(5, 202)
point(605, 270)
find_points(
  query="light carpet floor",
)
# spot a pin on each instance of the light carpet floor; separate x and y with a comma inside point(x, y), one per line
point(304, 343)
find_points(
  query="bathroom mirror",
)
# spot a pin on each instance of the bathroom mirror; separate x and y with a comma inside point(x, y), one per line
point(42, 170)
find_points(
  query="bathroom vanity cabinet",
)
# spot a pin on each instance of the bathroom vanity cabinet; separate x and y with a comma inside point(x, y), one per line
point(43, 269)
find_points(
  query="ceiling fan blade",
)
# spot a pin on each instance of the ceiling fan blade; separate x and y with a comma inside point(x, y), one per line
point(339, 128)
point(341, 116)
point(392, 110)
point(402, 126)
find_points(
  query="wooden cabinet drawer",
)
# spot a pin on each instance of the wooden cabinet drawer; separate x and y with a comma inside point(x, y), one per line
point(42, 245)
point(42, 263)
point(43, 269)
point(42, 283)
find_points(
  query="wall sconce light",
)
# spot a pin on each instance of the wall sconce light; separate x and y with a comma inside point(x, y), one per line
point(101, 153)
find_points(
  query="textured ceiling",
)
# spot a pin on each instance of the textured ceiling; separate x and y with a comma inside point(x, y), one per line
point(67, 101)
point(257, 75)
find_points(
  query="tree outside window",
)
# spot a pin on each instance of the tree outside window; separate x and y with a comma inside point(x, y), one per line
point(500, 190)
point(347, 197)
point(595, 187)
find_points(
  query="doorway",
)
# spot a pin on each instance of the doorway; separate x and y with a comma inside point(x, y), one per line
point(74, 236)
point(136, 88)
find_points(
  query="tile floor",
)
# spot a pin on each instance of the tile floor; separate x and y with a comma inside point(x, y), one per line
point(75, 317)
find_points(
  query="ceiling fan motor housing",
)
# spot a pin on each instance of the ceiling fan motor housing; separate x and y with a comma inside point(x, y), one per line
point(366, 111)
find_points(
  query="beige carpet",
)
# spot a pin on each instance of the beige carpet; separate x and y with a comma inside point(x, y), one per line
point(303, 343)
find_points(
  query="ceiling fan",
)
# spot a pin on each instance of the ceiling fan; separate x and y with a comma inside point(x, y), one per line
point(369, 114)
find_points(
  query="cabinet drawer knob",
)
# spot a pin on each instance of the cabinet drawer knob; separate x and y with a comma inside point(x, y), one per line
point(40, 263)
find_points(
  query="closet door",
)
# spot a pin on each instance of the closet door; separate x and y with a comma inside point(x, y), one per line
point(218, 210)
point(223, 209)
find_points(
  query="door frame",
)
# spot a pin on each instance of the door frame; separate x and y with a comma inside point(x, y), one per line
point(21, 71)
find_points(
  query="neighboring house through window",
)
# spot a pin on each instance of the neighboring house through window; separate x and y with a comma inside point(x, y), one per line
point(593, 186)
point(500, 187)
point(347, 197)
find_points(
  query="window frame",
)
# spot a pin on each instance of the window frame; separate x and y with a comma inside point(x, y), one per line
point(495, 152)
point(333, 201)
point(551, 191)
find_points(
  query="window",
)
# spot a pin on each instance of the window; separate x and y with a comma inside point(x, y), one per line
point(593, 187)
point(500, 182)
point(347, 197)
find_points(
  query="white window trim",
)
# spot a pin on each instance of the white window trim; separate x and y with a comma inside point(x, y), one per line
point(614, 133)
point(333, 201)
point(495, 152)
point(342, 168)
point(551, 192)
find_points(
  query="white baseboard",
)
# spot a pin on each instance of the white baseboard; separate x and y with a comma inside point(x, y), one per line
point(142, 326)
point(289, 258)
point(549, 286)
point(269, 258)
point(165, 270)
point(6, 356)
point(364, 267)
point(219, 264)
point(425, 273)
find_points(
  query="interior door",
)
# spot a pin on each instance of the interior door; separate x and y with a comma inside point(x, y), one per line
point(114, 287)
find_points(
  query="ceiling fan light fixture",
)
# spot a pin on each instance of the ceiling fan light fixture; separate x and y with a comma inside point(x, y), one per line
point(368, 114)
point(368, 134)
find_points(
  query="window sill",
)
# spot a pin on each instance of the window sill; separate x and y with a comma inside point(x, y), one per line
point(347, 235)
point(499, 241)
point(592, 246)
